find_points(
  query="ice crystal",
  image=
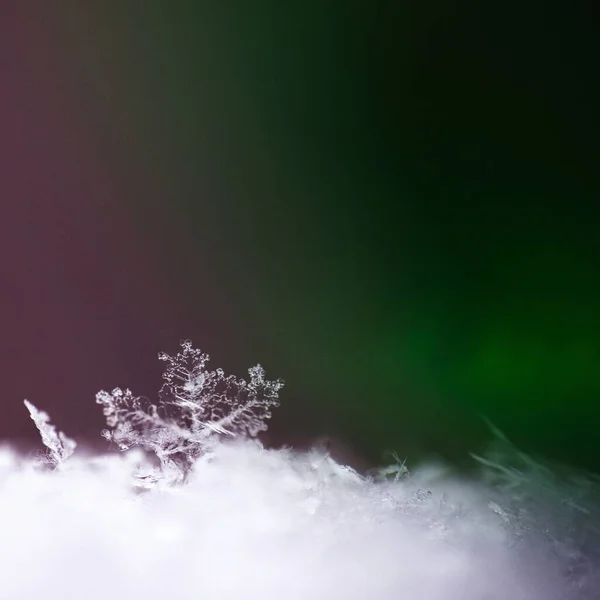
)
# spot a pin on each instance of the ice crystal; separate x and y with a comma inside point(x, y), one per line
point(195, 406)
point(59, 446)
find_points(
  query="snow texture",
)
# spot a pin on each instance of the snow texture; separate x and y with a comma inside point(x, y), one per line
point(254, 523)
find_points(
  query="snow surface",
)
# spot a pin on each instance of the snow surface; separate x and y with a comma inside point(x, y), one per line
point(273, 524)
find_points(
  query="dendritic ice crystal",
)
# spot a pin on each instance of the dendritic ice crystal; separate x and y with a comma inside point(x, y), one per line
point(195, 405)
point(58, 446)
point(195, 408)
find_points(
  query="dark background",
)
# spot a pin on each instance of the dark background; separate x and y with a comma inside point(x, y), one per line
point(391, 205)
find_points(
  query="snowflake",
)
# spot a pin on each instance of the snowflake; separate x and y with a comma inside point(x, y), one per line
point(195, 406)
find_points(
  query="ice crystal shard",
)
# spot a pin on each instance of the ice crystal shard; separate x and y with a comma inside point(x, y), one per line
point(59, 446)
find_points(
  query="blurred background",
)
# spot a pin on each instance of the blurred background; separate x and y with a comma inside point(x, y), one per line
point(391, 205)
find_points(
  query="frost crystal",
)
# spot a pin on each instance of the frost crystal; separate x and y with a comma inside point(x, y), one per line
point(527, 487)
point(194, 405)
point(59, 446)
